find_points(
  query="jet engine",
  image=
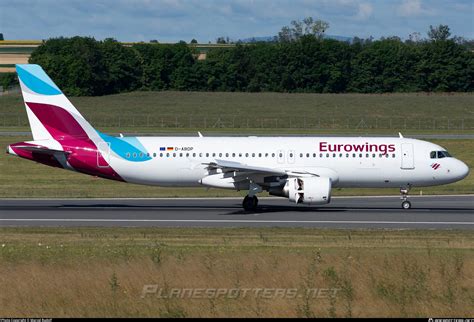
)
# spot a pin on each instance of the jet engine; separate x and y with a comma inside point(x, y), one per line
point(312, 190)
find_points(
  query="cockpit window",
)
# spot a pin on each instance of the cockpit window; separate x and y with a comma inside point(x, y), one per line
point(443, 154)
point(439, 154)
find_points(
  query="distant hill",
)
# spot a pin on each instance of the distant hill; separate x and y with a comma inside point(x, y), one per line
point(271, 38)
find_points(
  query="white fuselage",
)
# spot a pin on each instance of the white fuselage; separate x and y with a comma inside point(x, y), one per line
point(348, 161)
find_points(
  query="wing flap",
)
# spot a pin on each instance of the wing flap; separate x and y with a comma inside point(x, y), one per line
point(231, 166)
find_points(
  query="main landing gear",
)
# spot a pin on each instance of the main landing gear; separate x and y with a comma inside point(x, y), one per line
point(250, 202)
point(404, 196)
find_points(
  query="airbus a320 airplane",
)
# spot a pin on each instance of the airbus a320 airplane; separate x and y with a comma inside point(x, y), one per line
point(302, 169)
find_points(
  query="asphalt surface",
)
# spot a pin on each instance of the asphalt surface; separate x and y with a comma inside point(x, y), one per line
point(428, 212)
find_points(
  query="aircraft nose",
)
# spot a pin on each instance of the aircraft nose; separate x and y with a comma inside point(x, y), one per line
point(462, 170)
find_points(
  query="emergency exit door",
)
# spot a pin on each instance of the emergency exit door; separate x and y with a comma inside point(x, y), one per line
point(408, 158)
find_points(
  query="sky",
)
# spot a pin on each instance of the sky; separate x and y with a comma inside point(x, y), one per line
point(206, 20)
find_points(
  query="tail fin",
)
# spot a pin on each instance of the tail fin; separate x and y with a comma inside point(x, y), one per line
point(50, 113)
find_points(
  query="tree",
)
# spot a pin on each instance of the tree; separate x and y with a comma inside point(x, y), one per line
point(221, 40)
point(414, 37)
point(194, 41)
point(439, 33)
point(298, 29)
point(1, 36)
point(7, 80)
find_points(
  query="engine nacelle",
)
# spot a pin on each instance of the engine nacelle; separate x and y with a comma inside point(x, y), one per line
point(313, 191)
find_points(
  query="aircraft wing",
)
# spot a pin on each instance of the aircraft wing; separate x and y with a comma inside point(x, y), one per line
point(231, 166)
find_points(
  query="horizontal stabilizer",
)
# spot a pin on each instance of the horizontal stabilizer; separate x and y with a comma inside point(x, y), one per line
point(40, 149)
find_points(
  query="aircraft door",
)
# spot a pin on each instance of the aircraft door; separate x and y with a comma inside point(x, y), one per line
point(103, 154)
point(408, 158)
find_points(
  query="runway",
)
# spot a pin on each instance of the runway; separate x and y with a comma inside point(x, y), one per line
point(428, 212)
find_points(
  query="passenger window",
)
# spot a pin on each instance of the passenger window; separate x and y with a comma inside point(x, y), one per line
point(233, 155)
point(180, 155)
point(220, 155)
point(227, 155)
point(154, 155)
point(128, 154)
point(253, 155)
point(273, 155)
point(167, 155)
point(141, 155)
point(134, 154)
point(161, 155)
point(314, 155)
point(307, 155)
point(207, 155)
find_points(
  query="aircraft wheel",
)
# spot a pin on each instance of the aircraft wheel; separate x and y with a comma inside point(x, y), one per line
point(406, 204)
point(250, 203)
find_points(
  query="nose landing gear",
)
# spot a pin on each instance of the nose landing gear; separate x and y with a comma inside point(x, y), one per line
point(404, 196)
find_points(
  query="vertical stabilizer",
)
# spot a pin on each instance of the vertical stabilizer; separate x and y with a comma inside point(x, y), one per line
point(50, 113)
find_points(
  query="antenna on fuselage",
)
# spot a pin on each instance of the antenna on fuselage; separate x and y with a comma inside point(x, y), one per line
point(200, 135)
point(400, 135)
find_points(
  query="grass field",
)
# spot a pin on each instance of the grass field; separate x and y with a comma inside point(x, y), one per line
point(257, 112)
point(25, 179)
point(92, 272)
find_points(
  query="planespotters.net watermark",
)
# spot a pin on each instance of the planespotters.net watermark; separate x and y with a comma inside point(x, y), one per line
point(154, 291)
